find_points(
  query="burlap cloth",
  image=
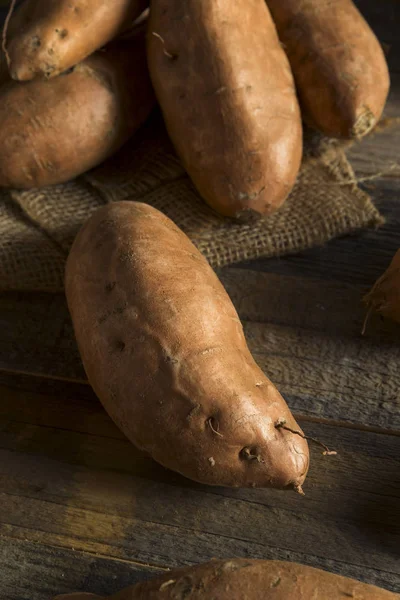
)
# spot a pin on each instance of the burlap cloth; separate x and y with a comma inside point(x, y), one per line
point(37, 227)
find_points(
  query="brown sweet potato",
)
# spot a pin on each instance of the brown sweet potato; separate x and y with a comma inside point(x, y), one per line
point(227, 94)
point(52, 131)
point(384, 298)
point(164, 350)
point(247, 579)
point(48, 37)
point(79, 596)
point(338, 64)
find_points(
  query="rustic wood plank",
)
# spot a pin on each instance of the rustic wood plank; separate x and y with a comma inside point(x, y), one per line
point(31, 571)
point(36, 336)
point(348, 522)
point(54, 404)
point(355, 259)
point(304, 333)
point(321, 379)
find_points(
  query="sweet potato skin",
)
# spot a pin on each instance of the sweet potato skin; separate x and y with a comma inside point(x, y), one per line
point(227, 94)
point(249, 579)
point(52, 131)
point(78, 596)
point(164, 350)
point(338, 64)
point(384, 298)
point(48, 37)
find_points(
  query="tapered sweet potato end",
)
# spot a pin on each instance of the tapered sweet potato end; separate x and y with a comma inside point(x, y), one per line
point(384, 297)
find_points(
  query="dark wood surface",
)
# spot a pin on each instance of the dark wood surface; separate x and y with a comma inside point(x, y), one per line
point(82, 509)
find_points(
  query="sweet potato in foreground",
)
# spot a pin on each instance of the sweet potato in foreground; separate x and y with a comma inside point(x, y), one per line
point(48, 37)
point(227, 94)
point(338, 64)
point(247, 579)
point(384, 298)
point(164, 350)
point(53, 130)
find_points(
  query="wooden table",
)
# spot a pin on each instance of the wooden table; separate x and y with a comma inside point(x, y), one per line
point(82, 509)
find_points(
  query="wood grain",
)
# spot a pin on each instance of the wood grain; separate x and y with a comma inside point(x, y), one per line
point(355, 259)
point(304, 333)
point(31, 571)
point(349, 517)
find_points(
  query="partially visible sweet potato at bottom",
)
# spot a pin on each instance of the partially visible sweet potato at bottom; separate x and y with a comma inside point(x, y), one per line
point(164, 350)
point(53, 130)
point(384, 298)
point(78, 596)
point(247, 579)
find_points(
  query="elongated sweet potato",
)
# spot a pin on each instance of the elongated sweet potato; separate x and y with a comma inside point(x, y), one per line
point(78, 596)
point(48, 37)
point(247, 579)
point(384, 298)
point(164, 350)
point(227, 94)
point(338, 64)
point(52, 131)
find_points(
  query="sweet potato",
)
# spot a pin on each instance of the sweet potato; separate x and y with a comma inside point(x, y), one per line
point(48, 37)
point(164, 350)
point(247, 579)
point(384, 298)
point(52, 131)
point(338, 64)
point(79, 596)
point(227, 94)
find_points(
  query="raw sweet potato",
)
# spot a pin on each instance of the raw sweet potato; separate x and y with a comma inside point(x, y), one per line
point(338, 64)
point(227, 94)
point(384, 298)
point(247, 579)
point(79, 596)
point(48, 37)
point(164, 350)
point(52, 131)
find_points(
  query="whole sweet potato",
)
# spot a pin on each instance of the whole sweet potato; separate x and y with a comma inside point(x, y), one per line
point(384, 298)
point(227, 94)
point(164, 350)
point(48, 37)
point(338, 64)
point(247, 579)
point(52, 131)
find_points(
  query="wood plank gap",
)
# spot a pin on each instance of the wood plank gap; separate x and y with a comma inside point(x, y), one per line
point(85, 553)
point(346, 425)
point(38, 375)
point(84, 433)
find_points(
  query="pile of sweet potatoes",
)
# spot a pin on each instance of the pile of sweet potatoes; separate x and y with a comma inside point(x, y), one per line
point(160, 340)
point(233, 81)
